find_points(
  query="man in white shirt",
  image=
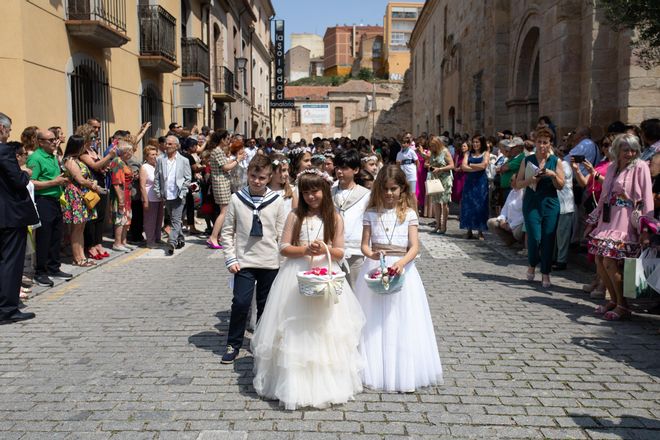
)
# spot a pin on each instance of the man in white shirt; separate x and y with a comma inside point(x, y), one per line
point(172, 178)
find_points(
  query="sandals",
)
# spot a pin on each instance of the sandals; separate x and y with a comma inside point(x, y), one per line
point(531, 275)
point(603, 309)
point(546, 284)
point(614, 316)
point(84, 263)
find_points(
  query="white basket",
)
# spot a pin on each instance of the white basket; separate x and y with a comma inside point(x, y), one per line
point(321, 285)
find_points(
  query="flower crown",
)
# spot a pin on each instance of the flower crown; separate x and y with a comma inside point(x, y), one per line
point(329, 154)
point(321, 174)
point(299, 150)
point(369, 158)
point(276, 163)
point(318, 156)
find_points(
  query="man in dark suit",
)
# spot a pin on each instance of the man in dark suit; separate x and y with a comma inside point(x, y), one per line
point(16, 213)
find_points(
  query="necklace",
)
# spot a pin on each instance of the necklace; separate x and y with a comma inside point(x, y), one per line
point(389, 237)
point(348, 196)
point(309, 235)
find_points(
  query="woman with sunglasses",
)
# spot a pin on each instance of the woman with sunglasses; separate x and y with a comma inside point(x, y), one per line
point(98, 165)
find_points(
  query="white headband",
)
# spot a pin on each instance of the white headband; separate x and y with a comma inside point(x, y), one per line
point(369, 158)
point(315, 171)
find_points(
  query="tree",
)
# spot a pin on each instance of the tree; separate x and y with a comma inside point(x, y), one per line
point(643, 16)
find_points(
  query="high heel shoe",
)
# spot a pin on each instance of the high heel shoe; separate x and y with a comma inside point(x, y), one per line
point(531, 275)
point(213, 246)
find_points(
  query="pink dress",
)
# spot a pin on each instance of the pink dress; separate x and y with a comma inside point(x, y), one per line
point(420, 191)
point(632, 187)
point(459, 179)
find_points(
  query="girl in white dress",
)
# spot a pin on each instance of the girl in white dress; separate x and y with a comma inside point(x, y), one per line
point(398, 342)
point(306, 348)
point(280, 181)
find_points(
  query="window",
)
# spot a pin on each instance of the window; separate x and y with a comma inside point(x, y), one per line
point(404, 12)
point(398, 25)
point(339, 116)
point(377, 49)
point(89, 94)
point(152, 111)
point(399, 39)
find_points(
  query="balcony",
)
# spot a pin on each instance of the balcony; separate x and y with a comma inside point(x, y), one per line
point(157, 39)
point(224, 85)
point(194, 60)
point(99, 22)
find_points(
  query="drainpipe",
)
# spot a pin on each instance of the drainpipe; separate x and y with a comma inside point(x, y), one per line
point(209, 113)
point(251, 81)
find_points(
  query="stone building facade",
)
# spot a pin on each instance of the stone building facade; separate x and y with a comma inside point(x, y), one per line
point(296, 64)
point(341, 106)
point(484, 66)
point(312, 42)
point(342, 45)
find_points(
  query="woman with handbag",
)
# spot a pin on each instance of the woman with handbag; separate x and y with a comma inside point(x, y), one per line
point(439, 182)
point(613, 227)
point(81, 198)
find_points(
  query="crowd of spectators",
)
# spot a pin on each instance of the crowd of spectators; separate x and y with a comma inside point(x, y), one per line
point(536, 191)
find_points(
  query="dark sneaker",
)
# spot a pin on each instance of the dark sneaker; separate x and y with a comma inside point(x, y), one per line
point(169, 250)
point(180, 244)
point(43, 280)
point(229, 356)
point(61, 275)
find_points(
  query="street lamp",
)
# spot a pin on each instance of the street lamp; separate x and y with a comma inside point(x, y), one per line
point(240, 63)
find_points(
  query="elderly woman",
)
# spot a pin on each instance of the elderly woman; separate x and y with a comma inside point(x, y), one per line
point(152, 205)
point(541, 203)
point(439, 165)
point(98, 165)
point(121, 177)
point(612, 227)
point(76, 212)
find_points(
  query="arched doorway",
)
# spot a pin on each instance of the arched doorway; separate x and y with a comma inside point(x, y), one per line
point(526, 83)
point(88, 93)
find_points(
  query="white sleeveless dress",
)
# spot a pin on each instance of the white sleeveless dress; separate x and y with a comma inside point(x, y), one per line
point(306, 349)
point(398, 344)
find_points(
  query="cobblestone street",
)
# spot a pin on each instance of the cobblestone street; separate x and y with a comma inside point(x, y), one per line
point(131, 349)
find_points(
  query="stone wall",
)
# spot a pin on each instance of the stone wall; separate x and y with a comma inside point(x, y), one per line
point(503, 63)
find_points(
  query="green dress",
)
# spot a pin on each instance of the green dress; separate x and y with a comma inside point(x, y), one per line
point(445, 177)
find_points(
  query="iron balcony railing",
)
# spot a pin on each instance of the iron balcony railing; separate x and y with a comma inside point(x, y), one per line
point(157, 31)
point(110, 12)
point(224, 80)
point(194, 58)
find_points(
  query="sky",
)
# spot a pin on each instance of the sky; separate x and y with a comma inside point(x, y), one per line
point(314, 16)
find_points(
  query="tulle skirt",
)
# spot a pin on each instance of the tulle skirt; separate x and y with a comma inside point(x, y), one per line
point(398, 343)
point(306, 349)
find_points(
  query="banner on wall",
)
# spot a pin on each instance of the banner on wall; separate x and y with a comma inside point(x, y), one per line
point(315, 113)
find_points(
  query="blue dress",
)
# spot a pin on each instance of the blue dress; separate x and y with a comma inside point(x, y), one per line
point(474, 204)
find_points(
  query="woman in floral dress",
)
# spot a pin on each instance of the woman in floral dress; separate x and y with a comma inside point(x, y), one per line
point(75, 212)
point(613, 226)
point(439, 166)
point(121, 176)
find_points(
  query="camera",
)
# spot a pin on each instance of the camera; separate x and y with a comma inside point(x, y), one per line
point(578, 158)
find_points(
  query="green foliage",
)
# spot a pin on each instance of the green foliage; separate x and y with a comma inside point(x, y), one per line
point(320, 81)
point(642, 16)
point(366, 74)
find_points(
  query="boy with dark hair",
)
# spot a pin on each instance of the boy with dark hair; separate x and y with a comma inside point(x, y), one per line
point(350, 201)
point(251, 231)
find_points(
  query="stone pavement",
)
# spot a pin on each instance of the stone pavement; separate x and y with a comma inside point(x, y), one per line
point(131, 349)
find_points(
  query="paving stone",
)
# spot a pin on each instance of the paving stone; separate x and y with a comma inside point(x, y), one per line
point(537, 365)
